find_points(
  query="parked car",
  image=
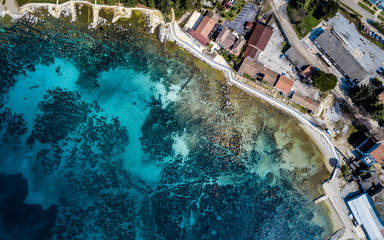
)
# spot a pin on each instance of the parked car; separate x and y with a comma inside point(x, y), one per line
point(336, 131)
point(328, 131)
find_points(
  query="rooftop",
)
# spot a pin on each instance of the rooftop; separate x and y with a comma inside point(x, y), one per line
point(284, 84)
point(306, 102)
point(381, 97)
point(203, 40)
point(260, 36)
point(226, 39)
point(250, 51)
point(365, 215)
point(254, 69)
point(296, 58)
point(205, 26)
point(377, 152)
point(341, 57)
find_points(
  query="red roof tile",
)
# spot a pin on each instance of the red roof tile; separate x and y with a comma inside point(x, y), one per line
point(198, 37)
point(205, 26)
point(260, 36)
point(249, 25)
point(250, 51)
point(378, 153)
point(381, 97)
point(284, 84)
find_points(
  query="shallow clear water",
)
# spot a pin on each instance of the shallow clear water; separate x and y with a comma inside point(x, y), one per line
point(109, 134)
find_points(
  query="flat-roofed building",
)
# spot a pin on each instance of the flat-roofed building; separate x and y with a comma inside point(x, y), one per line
point(193, 21)
point(339, 56)
point(255, 70)
point(284, 84)
point(365, 214)
point(310, 104)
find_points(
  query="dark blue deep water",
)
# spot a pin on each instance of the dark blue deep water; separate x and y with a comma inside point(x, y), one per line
point(109, 134)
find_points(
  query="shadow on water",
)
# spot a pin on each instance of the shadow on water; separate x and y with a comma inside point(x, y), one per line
point(20, 220)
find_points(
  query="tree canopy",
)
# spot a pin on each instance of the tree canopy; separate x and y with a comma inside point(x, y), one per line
point(366, 97)
point(324, 81)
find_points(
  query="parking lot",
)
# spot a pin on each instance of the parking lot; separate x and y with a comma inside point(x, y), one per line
point(247, 14)
point(370, 56)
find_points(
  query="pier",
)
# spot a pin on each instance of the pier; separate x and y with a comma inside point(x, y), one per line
point(320, 199)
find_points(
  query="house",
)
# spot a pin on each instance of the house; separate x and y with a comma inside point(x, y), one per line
point(307, 71)
point(310, 104)
point(255, 70)
point(374, 155)
point(249, 25)
point(258, 41)
point(206, 25)
point(381, 97)
point(260, 36)
point(296, 58)
point(203, 40)
point(193, 21)
point(251, 52)
point(239, 44)
point(226, 38)
point(229, 41)
point(365, 215)
point(284, 84)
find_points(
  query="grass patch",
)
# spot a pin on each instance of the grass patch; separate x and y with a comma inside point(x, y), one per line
point(232, 13)
point(285, 47)
point(381, 18)
point(382, 13)
point(306, 26)
point(266, 6)
point(23, 2)
point(366, 8)
point(368, 3)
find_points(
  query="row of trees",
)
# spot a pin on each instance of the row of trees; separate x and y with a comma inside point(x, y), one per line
point(180, 6)
point(366, 96)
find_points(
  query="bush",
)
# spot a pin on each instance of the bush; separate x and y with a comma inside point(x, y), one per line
point(344, 170)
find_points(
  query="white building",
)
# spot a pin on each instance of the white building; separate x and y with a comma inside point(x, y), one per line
point(365, 215)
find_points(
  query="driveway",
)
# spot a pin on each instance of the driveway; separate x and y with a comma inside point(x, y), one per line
point(247, 14)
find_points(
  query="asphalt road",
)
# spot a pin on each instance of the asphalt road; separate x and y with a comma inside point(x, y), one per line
point(279, 9)
point(359, 10)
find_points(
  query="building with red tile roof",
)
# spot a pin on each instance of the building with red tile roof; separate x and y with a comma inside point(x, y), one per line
point(203, 40)
point(306, 102)
point(250, 52)
point(205, 27)
point(381, 97)
point(375, 154)
point(255, 70)
point(260, 36)
point(249, 25)
point(284, 84)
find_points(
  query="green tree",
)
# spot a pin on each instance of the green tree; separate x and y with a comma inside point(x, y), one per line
point(151, 3)
point(324, 81)
point(344, 170)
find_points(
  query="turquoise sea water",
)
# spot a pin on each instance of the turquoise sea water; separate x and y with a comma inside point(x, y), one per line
point(108, 134)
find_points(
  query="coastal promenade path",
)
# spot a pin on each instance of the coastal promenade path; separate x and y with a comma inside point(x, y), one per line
point(175, 31)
